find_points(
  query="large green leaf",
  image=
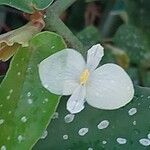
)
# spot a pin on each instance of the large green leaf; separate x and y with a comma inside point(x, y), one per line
point(28, 6)
point(123, 123)
point(25, 106)
point(134, 42)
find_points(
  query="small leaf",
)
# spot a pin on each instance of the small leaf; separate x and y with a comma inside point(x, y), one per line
point(25, 106)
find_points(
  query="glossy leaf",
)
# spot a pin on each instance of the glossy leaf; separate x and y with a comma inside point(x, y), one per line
point(130, 123)
point(25, 106)
point(28, 6)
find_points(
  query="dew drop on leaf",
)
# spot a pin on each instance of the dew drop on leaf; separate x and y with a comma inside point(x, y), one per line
point(103, 124)
point(104, 142)
point(132, 111)
point(30, 101)
point(56, 115)
point(83, 131)
point(20, 138)
point(121, 140)
point(29, 94)
point(144, 142)
point(24, 119)
point(1, 121)
point(65, 137)
point(19, 73)
point(134, 122)
point(69, 118)
point(10, 91)
point(44, 135)
point(3, 147)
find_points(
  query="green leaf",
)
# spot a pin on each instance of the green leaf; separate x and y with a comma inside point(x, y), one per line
point(89, 36)
point(133, 41)
point(28, 6)
point(25, 106)
point(146, 79)
point(139, 11)
point(121, 124)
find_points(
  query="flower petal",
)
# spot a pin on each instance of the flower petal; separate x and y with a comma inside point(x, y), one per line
point(61, 71)
point(76, 101)
point(95, 53)
point(109, 87)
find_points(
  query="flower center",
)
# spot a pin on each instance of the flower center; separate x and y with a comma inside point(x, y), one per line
point(84, 76)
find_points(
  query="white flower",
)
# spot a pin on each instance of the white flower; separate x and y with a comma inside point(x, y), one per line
point(66, 73)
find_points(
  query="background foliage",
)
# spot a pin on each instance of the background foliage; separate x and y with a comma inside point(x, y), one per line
point(122, 27)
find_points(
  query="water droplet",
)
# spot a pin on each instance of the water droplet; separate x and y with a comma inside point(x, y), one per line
point(8, 138)
point(144, 142)
point(3, 147)
point(142, 96)
point(1, 121)
point(9, 112)
point(134, 122)
point(103, 124)
point(20, 138)
point(24, 119)
point(83, 131)
point(56, 115)
point(90, 148)
point(8, 97)
point(104, 142)
point(69, 118)
point(1, 105)
point(46, 99)
point(148, 97)
point(29, 94)
point(30, 101)
point(44, 135)
point(52, 47)
point(10, 91)
point(19, 73)
point(65, 137)
point(121, 140)
point(132, 111)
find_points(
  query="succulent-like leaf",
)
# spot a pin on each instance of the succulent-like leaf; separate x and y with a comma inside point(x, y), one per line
point(25, 106)
point(133, 41)
point(89, 36)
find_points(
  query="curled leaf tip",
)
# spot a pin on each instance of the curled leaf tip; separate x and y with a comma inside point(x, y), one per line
point(10, 41)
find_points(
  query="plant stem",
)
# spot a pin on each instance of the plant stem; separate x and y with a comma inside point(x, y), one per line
point(54, 23)
point(61, 5)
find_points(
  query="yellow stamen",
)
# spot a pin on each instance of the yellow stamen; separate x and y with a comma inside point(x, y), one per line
point(84, 76)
